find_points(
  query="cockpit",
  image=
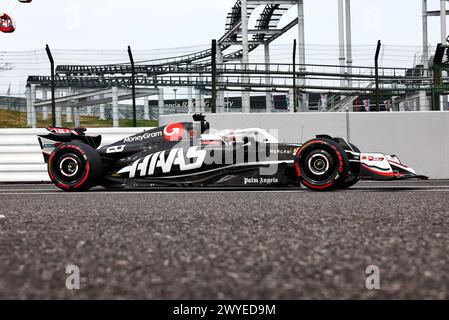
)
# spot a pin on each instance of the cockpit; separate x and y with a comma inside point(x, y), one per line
point(231, 137)
point(244, 136)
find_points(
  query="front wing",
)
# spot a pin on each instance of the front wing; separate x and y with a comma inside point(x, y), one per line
point(381, 167)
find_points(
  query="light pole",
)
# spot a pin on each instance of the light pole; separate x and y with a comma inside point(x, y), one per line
point(176, 100)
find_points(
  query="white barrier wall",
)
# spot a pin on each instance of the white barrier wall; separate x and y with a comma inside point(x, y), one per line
point(420, 139)
point(21, 159)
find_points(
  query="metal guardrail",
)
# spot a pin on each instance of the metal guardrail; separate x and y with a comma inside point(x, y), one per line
point(21, 159)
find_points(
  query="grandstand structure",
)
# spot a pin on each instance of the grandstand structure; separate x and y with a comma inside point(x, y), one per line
point(87, 86)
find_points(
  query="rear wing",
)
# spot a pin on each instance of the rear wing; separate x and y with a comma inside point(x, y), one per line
point(58, 136)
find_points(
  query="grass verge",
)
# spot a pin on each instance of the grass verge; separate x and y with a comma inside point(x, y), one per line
point(16, 119)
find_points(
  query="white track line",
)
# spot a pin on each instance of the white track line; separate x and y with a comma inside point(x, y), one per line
point(49, 187)
point(380, 186)
point(56, 192)
point(360, 188)
point(61, 193)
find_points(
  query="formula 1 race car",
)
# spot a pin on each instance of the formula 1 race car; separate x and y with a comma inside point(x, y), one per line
point(183, 155)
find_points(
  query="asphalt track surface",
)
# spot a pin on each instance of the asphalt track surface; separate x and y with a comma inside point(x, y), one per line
point(226, 245)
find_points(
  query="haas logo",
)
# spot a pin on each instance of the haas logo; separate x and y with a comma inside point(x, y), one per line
point(62, 130)
point(174, 132)
point(186, 160)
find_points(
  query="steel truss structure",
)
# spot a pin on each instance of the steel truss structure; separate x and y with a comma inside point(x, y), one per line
point(236, 73)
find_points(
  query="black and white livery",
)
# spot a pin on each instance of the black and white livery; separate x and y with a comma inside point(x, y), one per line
point(183, 155)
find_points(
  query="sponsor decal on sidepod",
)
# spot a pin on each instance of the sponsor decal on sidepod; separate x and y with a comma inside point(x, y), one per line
point(165, 160)
point(145, 136)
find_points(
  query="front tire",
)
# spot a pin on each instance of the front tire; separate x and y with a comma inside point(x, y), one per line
point(75, 166)
point(321, 164)
point(354, 171)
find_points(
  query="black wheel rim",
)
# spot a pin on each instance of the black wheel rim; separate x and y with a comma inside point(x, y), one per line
point(69, 168)
point(318, 166)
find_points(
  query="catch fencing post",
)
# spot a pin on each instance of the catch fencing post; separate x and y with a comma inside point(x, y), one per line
point(214, 76)
point(295, 93)
point(53, 84)
point(133, 85)
point(376, 63)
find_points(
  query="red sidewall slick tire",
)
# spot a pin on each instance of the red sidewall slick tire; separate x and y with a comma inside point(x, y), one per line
point(74, 167)
point(321, 164)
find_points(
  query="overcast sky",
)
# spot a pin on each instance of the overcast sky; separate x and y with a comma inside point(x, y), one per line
point(149, 24)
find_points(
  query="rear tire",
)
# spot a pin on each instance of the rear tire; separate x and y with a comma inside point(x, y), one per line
point(75, 166)
point(321, 164)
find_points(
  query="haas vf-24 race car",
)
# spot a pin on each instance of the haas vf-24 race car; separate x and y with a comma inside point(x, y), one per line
point(183, 155)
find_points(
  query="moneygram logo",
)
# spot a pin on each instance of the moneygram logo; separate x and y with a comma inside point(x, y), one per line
point(142, 137)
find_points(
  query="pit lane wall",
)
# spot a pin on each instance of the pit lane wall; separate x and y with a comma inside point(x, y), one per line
point(420, 139)
point(21, 159)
